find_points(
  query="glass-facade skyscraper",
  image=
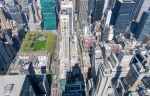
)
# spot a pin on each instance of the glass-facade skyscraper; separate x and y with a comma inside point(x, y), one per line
point(138, 6)
point(145, 23)
point(98, 10)
point(123, 13)
point(48, 12)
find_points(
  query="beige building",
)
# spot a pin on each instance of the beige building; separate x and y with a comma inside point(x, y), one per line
point(66, 28)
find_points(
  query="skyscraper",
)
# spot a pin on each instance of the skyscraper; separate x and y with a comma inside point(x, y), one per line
point(139, 4)
point(23, 4)
point(145, 23)
point(66, 28)
point(122, 15)
point(136, 76)
point(83, 12)
point(48, 12)
point(4, 58)
point(2, 19)
point(98, 10)
point(14, 11)
point(105, 72)
point(144, 7)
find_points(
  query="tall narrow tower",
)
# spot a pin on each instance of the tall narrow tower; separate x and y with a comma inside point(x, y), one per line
point(66, 27)
point(83, 12)
point(98, 10)
point(122, 16)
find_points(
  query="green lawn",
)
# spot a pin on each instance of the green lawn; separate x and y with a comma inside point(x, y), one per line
point(39, 41)
point(39, 45)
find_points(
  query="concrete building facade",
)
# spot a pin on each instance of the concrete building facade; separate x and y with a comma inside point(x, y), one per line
point(66, 27)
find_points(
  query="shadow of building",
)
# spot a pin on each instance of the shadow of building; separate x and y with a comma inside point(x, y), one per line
point(75, 85)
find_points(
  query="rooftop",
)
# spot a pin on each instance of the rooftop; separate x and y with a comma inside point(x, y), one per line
point(11, 85)
point(125, 64)
point(29, 65)
point(38, 42)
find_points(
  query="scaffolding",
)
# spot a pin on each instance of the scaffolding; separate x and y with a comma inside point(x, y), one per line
point(48, 14)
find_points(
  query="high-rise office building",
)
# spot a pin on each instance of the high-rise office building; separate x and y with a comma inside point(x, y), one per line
point(83, 12)
point(24, 9)
point(138, 6)
point(66, 18)
point(144, 4)
point(105, 73)
point(76, 5)
point(48, 12)
point(4, 21)
point(106, 28)
point(66, 29)
point(33, 15)
point(122, 15)
point(145, 23)
point(75, 85)
point(8, 51)
point(24, 4)
point(14, 11)
point(134, 83)
point(98, 10)
point(5, 59)
point(140, 17)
